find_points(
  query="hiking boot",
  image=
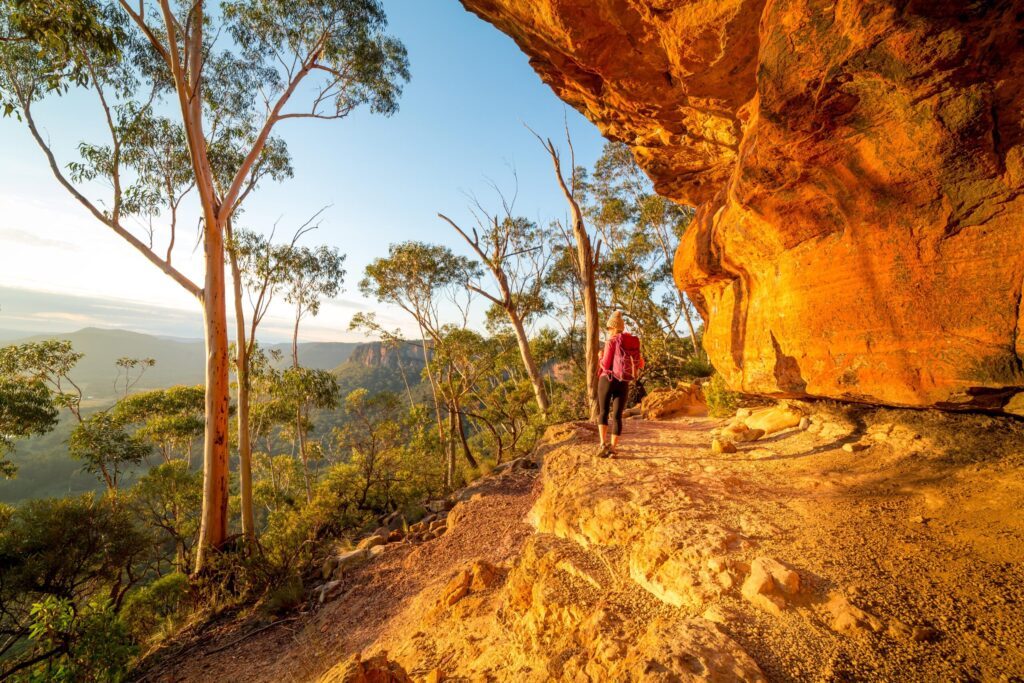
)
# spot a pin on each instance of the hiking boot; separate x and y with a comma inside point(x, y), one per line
point(603, 450)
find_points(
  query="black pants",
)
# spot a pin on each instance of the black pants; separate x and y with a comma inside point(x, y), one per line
point(611, 400)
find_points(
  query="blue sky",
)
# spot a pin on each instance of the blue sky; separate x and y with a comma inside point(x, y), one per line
point(459, 127)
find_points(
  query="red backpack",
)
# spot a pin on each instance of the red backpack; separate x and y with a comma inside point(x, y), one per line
point(628, 361)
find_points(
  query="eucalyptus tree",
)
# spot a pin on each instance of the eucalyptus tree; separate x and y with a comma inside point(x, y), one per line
point(49, 364)
point(501, 399)
point(313, 275)
point(458, 366)
point(259, 268)
point(372, 440)
point(239, 70)
point(418, 277)
point(126, 366)
point(171, 420)
point(167, 498)
point(586, 256)
point(26, 408)
point(640, 230)
point(106, 448)
point(512, 249)
point(302, 390)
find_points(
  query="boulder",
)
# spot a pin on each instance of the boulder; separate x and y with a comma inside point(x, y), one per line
point(839, 221)
point(684, 399)
point(747, 435)
point(456, 589)
point(441, 505)
point(846, 618)
point(771, 585)
point(377, 669)
point(347, 561)
point(394, 521)
point(719, 446)
point(329, 591)
point(774, 419)
point(395, 536)
point(484, 575)
point(371, 541)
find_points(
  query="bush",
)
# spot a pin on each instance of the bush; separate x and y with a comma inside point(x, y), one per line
point(721, 402)
point(150, 607)
point(696, 367)
point(286, 597)
point(87, 644)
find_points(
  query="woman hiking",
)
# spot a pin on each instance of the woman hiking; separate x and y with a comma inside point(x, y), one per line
point(620, 364)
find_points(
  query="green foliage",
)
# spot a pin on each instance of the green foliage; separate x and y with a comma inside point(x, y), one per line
point(150, 608)
point(49, 362)
point(60, 552)
point(294, 535)
point(721, 402)
point(696, 367)
point(169, 419)
point(312, 276)
point(414, 276)
point(49, 31)
point(102, 443)
point(87, 643)
point(349, 37)
point(167, 499)
point(26, 408)
point(285, 597)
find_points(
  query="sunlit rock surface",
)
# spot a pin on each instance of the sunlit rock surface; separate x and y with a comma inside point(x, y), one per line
point(858, 168)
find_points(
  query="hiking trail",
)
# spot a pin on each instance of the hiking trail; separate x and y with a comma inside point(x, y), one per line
point(790, 559)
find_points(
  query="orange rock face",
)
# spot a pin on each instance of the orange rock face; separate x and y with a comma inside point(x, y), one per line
point(858, 168)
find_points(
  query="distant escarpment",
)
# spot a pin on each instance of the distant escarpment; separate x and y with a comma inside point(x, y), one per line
point(379, 355)
point(858, 168)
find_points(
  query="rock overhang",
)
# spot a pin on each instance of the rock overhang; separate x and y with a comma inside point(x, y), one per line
point(858, 168)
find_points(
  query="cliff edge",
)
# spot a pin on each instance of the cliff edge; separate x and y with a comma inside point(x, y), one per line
point(866, 544)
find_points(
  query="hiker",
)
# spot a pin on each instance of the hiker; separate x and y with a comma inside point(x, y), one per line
point(621, 363)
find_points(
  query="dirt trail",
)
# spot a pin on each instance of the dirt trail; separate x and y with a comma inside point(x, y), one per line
point(908, 555)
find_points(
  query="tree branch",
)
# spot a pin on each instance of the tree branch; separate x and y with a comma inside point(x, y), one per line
point(140, 246)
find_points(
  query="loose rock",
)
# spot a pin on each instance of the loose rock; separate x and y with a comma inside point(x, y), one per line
point(770, 584)
point(720, 446)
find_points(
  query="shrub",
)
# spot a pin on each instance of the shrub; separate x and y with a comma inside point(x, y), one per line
point(286, 597)
point(87, 644)
point(721, 402)
point(150, 607)
point(696, 367)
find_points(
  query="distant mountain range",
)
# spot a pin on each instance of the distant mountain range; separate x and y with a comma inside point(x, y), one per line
point(178, 361)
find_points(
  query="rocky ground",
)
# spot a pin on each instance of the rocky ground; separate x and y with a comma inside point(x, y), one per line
point(898, 557)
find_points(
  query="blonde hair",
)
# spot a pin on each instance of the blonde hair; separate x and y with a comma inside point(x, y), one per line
point(615, 322)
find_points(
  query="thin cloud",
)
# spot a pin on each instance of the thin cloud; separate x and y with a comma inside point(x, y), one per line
point(30, 239)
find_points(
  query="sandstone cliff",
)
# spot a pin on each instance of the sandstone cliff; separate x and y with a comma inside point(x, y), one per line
point(379, 355)
point(859, 171)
